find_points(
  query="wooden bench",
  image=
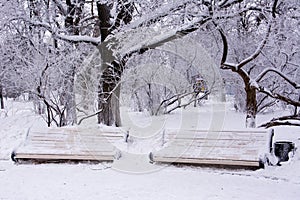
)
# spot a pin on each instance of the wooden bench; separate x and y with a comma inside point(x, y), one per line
point(69, 144)
point(243, 149)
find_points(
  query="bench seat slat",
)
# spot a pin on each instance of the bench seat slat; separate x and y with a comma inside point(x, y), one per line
point(95, 157)
point(229, 162)
point(237, 148)
point(69, 144)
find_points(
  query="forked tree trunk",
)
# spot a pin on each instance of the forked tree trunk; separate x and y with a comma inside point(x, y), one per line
point(109, 87)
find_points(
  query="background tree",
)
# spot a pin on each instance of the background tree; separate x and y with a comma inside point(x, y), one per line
point(123, 29)
point(254, 75)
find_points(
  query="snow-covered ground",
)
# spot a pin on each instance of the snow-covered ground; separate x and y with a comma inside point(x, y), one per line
point(133, 177)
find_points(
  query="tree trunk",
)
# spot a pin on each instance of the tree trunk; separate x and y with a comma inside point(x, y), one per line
point(251, 102)
point(251, 106)
point(109, 87)
point(1, 97)
point(109, 94)
point(70, 104)
point(138, 102)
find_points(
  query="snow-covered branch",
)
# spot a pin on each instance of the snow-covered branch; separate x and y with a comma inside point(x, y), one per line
point(168, 36)
point(258, 50)
point(278, 96)
point(34, 23)
point(157, 14)
point(79, 38)
point(279, 123)
point(227, 3)
point(290, 120)
point(285, 77)
point(60, 6)
point(238, 66)
point(70, 38)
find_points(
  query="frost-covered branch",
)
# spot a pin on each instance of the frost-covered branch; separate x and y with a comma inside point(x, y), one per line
point(227, 3)
point(290, 120)
point(157, 14)
point(285, 77)
point(258, 50)
point(79, 38)
point(89, 116)
point(279, 123)
point(69, 38)
point(278, 96)
point(237, 66)
point(60, 6)
point(167, 36)
point(203, 96)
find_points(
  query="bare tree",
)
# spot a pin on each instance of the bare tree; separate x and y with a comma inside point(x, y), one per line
point(123, 29)
point(256, 76)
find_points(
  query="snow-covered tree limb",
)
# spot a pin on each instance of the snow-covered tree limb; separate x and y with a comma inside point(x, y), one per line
point(290, 120)
point(228, 3)
point(79, 38)
point(258, 50)
point(279, 123)
point(69, 38)
point(60, 6)
point(278, 96)
point(158, 14)
point(285, 77)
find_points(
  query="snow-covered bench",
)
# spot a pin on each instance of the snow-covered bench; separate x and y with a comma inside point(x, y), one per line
point(69, 144)
point(249, 148)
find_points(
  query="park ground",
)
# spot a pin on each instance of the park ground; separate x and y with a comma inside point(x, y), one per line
point(111, 181)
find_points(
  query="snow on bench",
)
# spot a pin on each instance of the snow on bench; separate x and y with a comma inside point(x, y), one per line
point(220, 148)
point(69, 144)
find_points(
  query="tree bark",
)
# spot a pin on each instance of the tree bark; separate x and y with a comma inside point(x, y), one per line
point(69, 98)
point(109, 87)
point(1, 97)
point(68, 95)
point(108, 96)
point(251, 102)
point(251, 106)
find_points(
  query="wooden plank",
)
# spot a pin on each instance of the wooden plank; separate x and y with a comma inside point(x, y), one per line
point(119, 135)
point(252, 131)
point(208, 156)
point(232, 144)
point(216, 136)
point(240, 148)
point(229, 162)
point(69, 144)
point(94, 157)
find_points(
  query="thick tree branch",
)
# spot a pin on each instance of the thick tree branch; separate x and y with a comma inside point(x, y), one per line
point(286, 78)
point(274, 8)
point(228, 3)
point(225, 47)
point(61, 8)
point(158, 14)
point(278, 123)
point(290, 120)
point(258, 50)
point(69, 38)
point(279, 97)
point(168, 36)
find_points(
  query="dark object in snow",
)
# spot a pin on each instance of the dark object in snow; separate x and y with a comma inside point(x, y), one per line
point(282, 150)
point(13, 155)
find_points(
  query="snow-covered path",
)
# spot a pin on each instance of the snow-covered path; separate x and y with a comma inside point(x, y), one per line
point(60, 181)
